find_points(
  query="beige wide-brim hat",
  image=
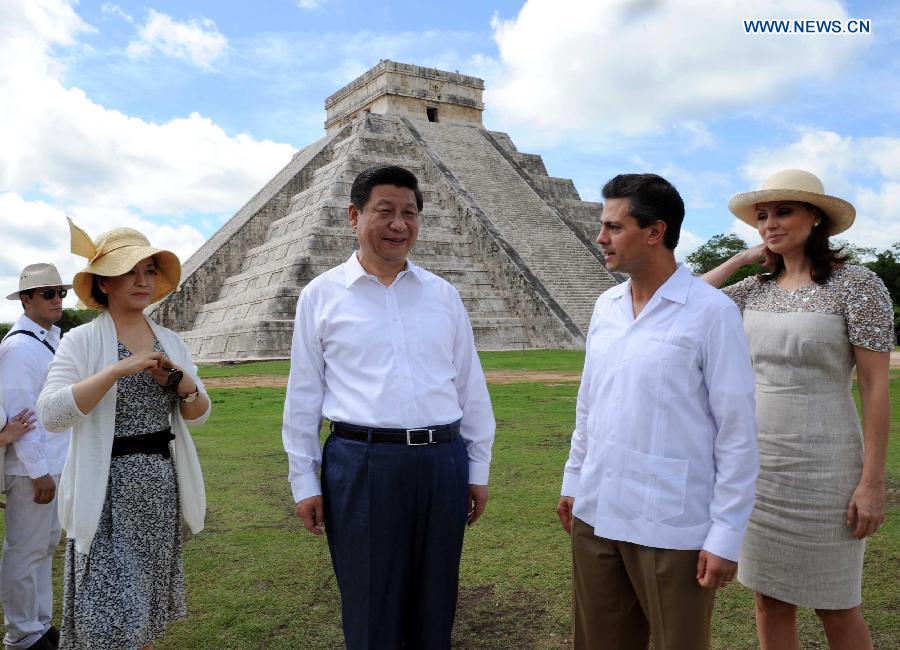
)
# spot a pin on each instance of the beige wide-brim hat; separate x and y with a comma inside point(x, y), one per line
point(35, 276)
point(794, 185)
point(116, 252)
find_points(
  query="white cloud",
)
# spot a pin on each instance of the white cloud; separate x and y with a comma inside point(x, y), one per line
point(111, 9)
point(36, 231)
point(102, 167)
point(310, 4)
point(637, 67)
point(862, 170)
point(688, 242)
point(196, 41)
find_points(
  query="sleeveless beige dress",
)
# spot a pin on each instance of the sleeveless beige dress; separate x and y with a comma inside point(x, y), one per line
point(798, 547)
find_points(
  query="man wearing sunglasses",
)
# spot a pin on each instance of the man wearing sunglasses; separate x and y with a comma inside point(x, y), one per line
point(32, 465)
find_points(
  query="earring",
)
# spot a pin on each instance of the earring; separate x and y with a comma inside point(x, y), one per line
point(816, 223)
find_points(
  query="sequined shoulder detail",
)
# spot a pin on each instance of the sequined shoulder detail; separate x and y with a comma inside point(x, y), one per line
point(869, 311)
point(741, 291)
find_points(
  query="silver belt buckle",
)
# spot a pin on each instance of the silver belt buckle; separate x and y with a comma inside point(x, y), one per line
point(410, 443)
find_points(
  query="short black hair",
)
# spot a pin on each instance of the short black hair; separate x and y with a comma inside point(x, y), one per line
point(26, 292)
point(383, 175)
point(653, 199)
point(98, 296)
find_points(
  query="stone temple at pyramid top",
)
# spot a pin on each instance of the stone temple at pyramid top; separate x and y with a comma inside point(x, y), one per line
point(517, 243)
point(409, 90)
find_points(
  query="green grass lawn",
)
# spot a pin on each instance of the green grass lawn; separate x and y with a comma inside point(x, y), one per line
point(257, 579)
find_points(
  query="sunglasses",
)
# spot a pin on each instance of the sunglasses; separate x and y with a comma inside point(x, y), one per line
point(47, 294)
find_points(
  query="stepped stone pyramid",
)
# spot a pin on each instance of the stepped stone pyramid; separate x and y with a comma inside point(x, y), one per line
point(517, 243)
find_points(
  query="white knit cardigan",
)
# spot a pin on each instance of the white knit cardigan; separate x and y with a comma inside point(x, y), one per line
point(83, 352)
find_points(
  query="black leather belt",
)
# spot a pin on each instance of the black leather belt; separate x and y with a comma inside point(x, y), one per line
point(144, 443)
point(412, 437)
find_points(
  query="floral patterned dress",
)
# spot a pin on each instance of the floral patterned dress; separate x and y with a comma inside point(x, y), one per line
point(123, 593)
point(798, 547)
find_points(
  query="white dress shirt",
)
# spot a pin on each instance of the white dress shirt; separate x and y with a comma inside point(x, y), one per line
point(401, 356)
point(23, 370)
point(664, 448)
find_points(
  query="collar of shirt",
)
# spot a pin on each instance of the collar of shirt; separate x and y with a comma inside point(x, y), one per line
point(51, 336)
point(674, 289)
point(353, 271)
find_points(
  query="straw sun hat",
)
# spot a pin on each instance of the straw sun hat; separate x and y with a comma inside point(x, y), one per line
point(794, 185)
point(116, 252)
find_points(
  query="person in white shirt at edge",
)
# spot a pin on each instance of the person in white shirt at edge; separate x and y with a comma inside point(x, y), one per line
point(385, 351)
point(659, 484)
point(33, 464)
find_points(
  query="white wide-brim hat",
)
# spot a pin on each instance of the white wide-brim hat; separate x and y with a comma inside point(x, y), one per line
point(35, 276)
point(794, 185)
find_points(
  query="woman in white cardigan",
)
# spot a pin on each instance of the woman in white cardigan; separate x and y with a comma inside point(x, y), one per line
point(127, 387)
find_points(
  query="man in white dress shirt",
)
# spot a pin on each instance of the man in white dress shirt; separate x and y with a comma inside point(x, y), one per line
point(33, 465)
point(384, 350)
point(659, 484)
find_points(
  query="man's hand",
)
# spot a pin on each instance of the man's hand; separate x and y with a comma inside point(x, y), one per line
point(564, 510)
point(714, 571)
point(478, 498)
point(312, 512)
point(44, 489)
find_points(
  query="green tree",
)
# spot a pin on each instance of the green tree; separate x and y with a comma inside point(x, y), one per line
point(855, 254)
point(717, 250)
point(886, 266)
point(75, 317)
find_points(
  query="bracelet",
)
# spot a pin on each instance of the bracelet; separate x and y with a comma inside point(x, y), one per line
point(190, 397)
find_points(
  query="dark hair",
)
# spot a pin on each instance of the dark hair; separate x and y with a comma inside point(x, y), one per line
point(26, 292)
point(98, 296)
point(383, 175)
point(653, 199)
point(822, 257)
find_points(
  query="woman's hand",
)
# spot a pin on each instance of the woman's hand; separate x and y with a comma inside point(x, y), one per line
point(163, 373)
point(758, 254)
point(17, 427)
point(865, 512)
point(137, 363)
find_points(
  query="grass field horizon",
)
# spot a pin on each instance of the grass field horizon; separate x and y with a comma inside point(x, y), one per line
point(257, 579)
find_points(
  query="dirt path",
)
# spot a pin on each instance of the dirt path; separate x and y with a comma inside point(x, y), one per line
point(493, 377)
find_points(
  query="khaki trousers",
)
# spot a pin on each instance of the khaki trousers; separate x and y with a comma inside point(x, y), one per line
point(624, 593)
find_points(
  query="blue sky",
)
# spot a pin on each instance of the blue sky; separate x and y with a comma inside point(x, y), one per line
point(170, 115)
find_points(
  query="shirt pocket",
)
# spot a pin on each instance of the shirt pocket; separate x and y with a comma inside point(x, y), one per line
point(675, 373)
point(650, 487)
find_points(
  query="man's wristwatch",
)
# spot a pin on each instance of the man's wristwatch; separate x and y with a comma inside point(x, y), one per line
point(190, 397)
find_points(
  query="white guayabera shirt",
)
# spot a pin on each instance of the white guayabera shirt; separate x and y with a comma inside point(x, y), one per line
point(401, 356)
point(664, 448)
point(23, 370)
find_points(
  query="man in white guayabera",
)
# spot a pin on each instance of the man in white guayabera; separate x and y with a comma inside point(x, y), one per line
point(33, 464)
point(660, 479)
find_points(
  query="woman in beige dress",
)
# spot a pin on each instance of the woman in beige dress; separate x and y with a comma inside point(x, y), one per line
point(820, 491)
